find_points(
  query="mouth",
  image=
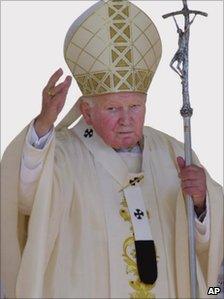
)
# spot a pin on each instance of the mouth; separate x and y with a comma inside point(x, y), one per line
point(124, 133)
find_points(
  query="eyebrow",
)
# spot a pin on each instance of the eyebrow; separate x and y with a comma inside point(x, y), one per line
point(121, 104)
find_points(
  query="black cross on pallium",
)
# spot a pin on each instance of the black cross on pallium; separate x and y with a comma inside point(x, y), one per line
point(134, 180)
point(88, 133)
point(138, 214)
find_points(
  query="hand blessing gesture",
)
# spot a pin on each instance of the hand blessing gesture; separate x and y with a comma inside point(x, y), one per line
point(53, 101)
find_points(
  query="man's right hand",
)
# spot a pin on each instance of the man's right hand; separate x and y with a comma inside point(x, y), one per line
point(53, 101)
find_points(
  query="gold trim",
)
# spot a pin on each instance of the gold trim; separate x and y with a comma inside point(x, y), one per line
point(139, 289)
point(117, 52)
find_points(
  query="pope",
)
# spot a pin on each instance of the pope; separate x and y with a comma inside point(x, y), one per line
point(97, 209)
point(118, 118)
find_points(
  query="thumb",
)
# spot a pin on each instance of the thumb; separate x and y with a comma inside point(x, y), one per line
point(181, 162)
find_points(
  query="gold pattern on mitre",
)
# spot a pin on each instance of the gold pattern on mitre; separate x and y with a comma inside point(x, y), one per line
point(113, 47)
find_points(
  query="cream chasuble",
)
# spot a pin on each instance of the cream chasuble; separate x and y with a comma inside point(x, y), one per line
point(80, 238)
point(124, 280)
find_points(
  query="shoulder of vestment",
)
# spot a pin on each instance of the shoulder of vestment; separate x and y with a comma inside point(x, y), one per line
point(66, 141)
point(160, 139)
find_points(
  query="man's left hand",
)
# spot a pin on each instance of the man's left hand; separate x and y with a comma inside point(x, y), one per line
point(193, 183)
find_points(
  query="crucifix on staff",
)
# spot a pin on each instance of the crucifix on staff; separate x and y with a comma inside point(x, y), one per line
point(182, 43)
point(182, 59)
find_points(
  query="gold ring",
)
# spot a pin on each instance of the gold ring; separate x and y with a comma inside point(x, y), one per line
point(50, 93)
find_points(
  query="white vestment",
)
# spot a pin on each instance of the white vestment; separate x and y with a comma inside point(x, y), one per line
point(80, 239)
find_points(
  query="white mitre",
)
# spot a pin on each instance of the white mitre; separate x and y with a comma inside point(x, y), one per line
point(112, 47)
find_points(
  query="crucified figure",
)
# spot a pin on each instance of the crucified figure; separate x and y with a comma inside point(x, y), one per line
point(179, 55)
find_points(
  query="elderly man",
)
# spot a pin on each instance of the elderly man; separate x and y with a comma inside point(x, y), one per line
point(97, 211)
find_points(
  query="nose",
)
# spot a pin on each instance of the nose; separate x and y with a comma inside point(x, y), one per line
point(125, 117)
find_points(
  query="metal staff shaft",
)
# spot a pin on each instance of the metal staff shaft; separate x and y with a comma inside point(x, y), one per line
point(182, 59)
point(186, 113)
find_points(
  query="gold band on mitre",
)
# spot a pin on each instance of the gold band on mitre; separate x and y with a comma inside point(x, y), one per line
point(113, 47)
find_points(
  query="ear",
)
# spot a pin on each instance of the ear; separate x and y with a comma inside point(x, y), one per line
point(85, 110)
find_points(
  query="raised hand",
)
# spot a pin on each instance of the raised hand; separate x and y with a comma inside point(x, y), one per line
point(53, 100)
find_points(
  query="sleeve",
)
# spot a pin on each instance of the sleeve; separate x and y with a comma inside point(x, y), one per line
point(202, 225)
point(203, 228)
point(34, 152)
point(37, 142)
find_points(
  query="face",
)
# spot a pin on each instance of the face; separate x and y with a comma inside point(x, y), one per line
point(118, 118)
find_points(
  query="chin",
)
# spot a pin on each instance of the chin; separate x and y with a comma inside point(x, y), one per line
point(126, 143)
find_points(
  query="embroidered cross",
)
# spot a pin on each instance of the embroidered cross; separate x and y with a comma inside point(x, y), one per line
point(88, 133)
point(135, 180)
point(138, 214)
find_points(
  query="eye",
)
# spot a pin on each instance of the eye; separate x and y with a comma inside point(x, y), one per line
point(134, 106)
point(111, 108)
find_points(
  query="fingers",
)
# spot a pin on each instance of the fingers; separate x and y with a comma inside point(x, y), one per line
point(61, 90)
point(197, 195)
point(56, 93)
point(62, 87)
point(193, 181)
point(60, 97)
point(194, 191)
point(51, 83)
point(196, 188)
point(53, 100)
point(181, 162)
point(191, 172)
point(50, 87)
point(190, 184)
point(54, 78)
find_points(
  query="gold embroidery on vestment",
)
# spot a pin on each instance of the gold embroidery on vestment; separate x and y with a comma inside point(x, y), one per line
point(141, 290)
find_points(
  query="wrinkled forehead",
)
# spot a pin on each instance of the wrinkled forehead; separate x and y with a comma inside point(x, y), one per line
point(121, 98)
